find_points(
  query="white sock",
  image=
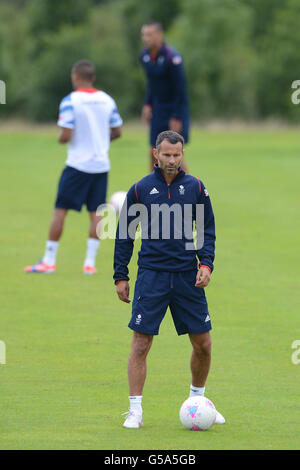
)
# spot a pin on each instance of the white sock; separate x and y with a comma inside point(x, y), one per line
point(91, 252)
point(135, 403)
point(50, 253)
point(196, 391)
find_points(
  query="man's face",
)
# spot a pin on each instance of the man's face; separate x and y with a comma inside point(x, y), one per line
point(169, 157)
point(151, 36)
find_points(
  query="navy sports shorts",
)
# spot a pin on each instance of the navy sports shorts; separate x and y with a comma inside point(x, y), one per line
point(160, 123)
point(155, 291)
point(76, 188)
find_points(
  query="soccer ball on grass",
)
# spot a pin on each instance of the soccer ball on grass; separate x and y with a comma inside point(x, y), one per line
point(197, 413)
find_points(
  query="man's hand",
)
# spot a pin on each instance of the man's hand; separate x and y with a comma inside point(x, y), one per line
point(65, 135)
point(175, 125)
point(115, 133)
point(146, 113)
point(123, 291)
point(203, 277)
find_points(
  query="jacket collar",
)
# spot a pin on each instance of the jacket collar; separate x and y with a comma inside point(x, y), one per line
point(159, 174)
point(161, 50)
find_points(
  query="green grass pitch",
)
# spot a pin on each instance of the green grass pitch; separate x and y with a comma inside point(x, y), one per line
point(64, 384)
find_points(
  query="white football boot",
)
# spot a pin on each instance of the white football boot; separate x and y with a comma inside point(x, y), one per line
point(219, 418)
point(133, 420)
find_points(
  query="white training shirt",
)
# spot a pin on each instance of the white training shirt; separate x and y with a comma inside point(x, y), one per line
point(90, 113)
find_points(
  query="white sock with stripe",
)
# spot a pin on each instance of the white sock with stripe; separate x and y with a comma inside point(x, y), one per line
point(135, 403)
point(50, 253)
point(197, 391)
point(91, 252)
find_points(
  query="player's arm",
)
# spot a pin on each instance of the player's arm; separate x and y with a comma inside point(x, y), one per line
point(124, 247)
point(65, 135)
point(146, 113)
point(149, 94)
point(122, 288)
point(115, 122)
point(206, 254)
point(175, 125)
point(178, 84)
point(203, 276)
point(147, 107)
point(115, 132)
point(66, 120)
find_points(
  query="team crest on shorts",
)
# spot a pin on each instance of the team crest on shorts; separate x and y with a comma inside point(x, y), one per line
point(138, 319)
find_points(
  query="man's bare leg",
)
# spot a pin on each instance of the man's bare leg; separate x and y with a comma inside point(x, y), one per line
point(137, 366)
point(137, 370)
point(95, 230)
point(57, 224)
point(200, 365)
point(48, 263)
point(201, 358)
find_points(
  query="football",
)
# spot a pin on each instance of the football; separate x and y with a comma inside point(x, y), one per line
point(117, 200)
point(197, 413)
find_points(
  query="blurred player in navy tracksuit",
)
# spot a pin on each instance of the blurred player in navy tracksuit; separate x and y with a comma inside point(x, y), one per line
point(166, 100)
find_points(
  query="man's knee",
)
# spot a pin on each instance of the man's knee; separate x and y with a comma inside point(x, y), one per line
point(59, 215)
point(95, 225)
point(201, 343)
point(141, 344)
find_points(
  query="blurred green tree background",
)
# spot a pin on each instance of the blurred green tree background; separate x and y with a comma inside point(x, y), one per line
point(241, 56)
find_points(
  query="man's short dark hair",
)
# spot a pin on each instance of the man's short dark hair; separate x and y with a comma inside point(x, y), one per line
point(156, 24)
point(171, 136)
point(85, 69)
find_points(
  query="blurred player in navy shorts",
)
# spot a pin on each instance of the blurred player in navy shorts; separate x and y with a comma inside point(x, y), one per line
point(89, 120)
point(166, 100)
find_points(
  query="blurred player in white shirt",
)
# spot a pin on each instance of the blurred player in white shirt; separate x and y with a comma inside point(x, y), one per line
point(89, 120)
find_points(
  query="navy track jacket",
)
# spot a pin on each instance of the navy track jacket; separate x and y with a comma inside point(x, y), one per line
point(158, 252)
point(166, 83)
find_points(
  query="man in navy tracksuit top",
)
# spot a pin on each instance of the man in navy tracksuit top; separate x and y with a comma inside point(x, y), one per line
point(166, 100)
point(168, 275)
